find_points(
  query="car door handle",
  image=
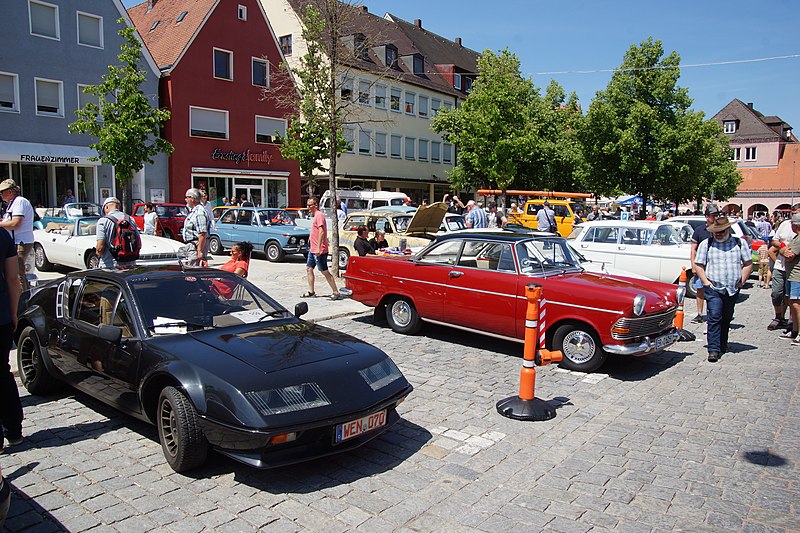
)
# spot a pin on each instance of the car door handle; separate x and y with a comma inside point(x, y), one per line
point(621, 247)
point(456, 274)
point(584, 245)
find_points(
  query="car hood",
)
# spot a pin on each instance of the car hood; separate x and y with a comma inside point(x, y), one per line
point(609, 292)
point(427, 219)
point(153, 245)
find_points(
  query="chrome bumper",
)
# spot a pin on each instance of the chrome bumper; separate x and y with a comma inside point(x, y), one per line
point(647, 346)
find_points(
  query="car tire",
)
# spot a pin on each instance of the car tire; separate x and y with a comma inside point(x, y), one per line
point(40, 259)
point(402, 316)
point(32, 371)
point(215, 246)
point(691, 292)
point(92, 261)
point(167, 234)
point(182, 440)
point(274, 252)
point(580, 346)
point(344, 257)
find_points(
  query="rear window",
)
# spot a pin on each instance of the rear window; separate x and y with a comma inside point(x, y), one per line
point(398, 201)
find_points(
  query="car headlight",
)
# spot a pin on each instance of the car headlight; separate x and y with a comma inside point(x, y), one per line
point(380, 374)
point(288, 399)
point(638, 304)
point(680, 294)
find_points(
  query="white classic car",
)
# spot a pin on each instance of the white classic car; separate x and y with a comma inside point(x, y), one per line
point(654, 250)
point(73, 244)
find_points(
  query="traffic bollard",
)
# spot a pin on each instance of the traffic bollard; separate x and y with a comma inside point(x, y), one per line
point(683, 335)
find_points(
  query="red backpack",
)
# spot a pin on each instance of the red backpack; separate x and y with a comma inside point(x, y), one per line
point(125, 241)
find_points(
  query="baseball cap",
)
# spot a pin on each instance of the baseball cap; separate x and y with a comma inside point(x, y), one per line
point(7, 184)
point(546, 203)
point(711, 209)
point(111, 199)
point(796, 219)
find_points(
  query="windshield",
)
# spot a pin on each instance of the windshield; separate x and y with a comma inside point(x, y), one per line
point(453, 223)
point(275, 217)
point(201, 300)
point(546, 254)
point(87, 226)
point(172, 210)
point(82, 210)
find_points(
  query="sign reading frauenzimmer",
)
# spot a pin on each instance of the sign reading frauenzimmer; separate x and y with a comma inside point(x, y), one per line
point(238, 157)
point(33, 158)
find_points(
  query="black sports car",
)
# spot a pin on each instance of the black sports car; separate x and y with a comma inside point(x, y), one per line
point(211, 360)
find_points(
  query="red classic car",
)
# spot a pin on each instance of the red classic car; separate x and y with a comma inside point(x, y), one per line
point(476, 280)
point(171, 217)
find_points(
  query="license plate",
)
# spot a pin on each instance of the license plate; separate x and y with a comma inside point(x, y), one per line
point(664, 341)
point(357, 427)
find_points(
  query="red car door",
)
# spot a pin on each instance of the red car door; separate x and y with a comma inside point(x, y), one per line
point(427, 282)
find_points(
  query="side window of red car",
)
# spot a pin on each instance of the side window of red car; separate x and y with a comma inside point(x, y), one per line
point(446, 253)
point(139, 211)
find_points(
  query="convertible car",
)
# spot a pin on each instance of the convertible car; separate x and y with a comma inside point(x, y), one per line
point(73, 243)
point(211, 360)
point(69, 212)
point(476, 281)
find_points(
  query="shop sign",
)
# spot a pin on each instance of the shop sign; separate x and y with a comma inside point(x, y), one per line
point(34, 158)
point(247, 155)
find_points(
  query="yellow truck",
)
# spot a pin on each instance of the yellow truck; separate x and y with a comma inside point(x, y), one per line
point(563, 204)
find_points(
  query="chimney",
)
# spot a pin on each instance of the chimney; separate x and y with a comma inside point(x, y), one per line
point(458, 41)
point(750, 105)
point(418, 23)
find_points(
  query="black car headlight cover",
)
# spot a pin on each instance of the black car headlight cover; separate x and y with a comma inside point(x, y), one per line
point(288, 399)
point(380, 374)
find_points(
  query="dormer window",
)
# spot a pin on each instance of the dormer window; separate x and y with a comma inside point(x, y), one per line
point(391, 56)
point(181, 17)
point(729, 126)
point(457, 81)
point(467, 84)
point(419, 65)
point(360, 46)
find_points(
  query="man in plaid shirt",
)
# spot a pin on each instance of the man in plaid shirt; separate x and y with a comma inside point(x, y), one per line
point(723, 263)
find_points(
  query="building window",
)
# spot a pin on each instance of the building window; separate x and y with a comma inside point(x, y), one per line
point(90, 30)
point(380, 144)
point(364, 142)
point(457, 81)
point(436, 151)
point(729, 126)
point(435, 105)
point(410, 145)
point(422, 153)
point(391, 56)
point(397, 143)
point(380, 96)
point(9, 92)
point(423, 106)
point(286, 44)
point(49, 98)
point(360, 49)
point(242, 12)
point(84, 98)
point(447, 105)
point(44, 19)
point(410, 99)
point(346, 90)
point(750, 153)
point(155, 25)
point(270, 130)
point(363, 92)
point(212, 123)
point(419, 65)
point(447, 153)
point(349, 138)
point(394, 101)
point(260, 73)
point(467, 84)
point(736, 154)
point(223, 64)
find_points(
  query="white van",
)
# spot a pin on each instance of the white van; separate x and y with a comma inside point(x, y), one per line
point(361, 200)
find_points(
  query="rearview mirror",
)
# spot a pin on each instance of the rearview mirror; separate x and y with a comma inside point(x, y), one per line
point(300, 309)
point(107, 332)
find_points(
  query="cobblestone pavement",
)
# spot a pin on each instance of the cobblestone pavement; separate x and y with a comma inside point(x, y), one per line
point(662, 443)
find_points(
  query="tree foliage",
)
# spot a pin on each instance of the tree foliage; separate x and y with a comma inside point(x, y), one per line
point(126, 125)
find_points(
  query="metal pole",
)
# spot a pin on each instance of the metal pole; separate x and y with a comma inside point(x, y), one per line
point(793, 164)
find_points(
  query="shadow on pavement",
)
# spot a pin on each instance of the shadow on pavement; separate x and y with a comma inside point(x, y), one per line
point(764, 458)
point(641, 368)
point(24, 513)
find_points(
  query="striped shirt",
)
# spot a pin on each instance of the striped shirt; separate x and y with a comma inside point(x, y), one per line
point(723, 262)
point(476, 218)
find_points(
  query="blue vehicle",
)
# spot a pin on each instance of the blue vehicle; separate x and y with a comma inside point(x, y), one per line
point(70, 212)
point(270, 230)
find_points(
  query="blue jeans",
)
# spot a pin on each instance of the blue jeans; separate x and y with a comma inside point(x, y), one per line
point(719, 306)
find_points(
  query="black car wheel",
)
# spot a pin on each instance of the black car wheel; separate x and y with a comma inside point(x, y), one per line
point(344, 256)
point(580, 347)
point(402, 316)
point(215, 246)
point(167, 234)
point(185, 447)
point(274, 251)
point(691, 292)
point(40, 258)
point(92, 261)
point(32, 370)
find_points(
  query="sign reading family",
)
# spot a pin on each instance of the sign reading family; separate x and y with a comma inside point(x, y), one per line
point(247, 155)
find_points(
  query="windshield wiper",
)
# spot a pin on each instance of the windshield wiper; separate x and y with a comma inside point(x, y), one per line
point(273, 314)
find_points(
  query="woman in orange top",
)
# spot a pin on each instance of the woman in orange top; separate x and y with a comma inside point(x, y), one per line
point(240, 259)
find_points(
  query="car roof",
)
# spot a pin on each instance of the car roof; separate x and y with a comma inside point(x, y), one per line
point(137, 272)
point(624, 223)
point(493, 234)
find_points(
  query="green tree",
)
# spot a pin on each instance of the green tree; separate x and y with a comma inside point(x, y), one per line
point(127, 127)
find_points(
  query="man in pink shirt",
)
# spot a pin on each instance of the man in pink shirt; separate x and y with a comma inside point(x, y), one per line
point(318, 251)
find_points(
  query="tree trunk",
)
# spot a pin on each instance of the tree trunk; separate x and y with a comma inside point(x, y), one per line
point(335, 219)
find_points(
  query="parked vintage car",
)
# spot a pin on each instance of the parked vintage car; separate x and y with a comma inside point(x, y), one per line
point(301, 216)
point(73, 244)
point(211, 360)
point(69, 212)
point(270, 230)
point(418, 226)
point(476, 281)
point(739, 229)
point(171, 217)
point(652, 249)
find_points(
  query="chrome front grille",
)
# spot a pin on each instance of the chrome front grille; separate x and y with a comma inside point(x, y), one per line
point(647, 325)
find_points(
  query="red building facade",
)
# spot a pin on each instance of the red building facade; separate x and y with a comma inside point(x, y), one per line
point(219, 60)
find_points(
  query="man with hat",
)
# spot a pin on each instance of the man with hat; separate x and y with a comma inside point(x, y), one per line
point(18, 220)
point(723, 263)
point(112, 209)
point(476, 217)
point(701, 234)
point(546, 218)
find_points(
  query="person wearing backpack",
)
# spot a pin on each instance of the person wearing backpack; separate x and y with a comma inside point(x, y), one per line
point(118, 239)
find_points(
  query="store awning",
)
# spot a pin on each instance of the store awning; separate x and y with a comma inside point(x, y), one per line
point(59, 154)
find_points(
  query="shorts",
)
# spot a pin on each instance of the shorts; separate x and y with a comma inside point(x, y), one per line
point(793, 290)
point(697, 283)
point(318, 260)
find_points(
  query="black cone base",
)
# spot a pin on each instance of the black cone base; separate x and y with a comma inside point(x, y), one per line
point(519, 409)
point(686, 336)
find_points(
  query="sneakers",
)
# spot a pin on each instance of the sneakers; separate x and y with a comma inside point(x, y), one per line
point(789, 335)
point(336, 296)
point(698, 319)
point(775, 324)
point(713, 357)
point(796, 341)
point(14, 442)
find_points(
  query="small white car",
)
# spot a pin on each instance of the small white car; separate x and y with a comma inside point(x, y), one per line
point(739, 228)
point(654, 250)
point(72, 244)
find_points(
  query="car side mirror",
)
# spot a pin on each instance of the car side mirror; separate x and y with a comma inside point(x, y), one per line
point(112, 334)
point(300, 309)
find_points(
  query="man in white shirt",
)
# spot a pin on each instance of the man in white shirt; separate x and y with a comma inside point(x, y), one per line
point(783, 235)
point(206, 205)
point(18, 220)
